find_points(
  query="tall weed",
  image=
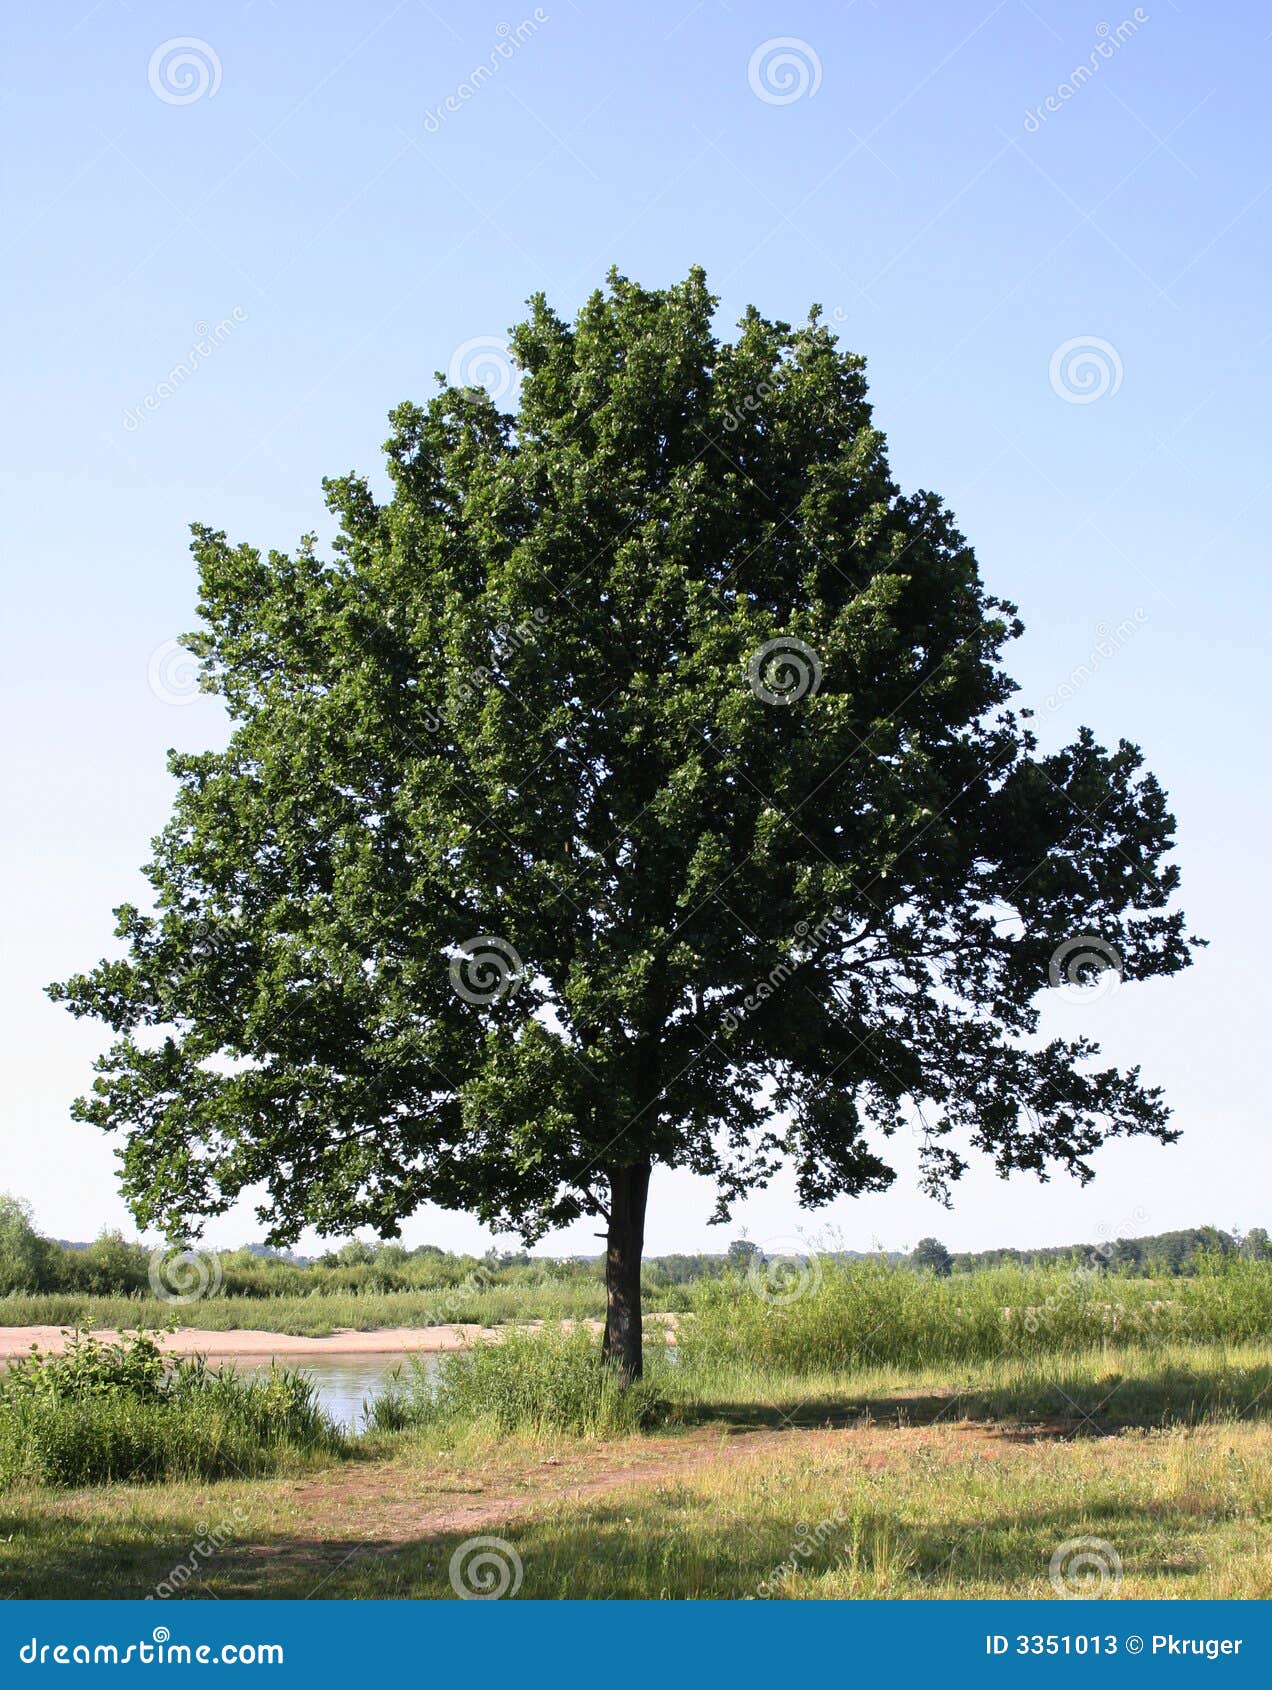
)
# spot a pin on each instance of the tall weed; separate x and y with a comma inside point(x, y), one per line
point(876, 1314)
point(552, 1381)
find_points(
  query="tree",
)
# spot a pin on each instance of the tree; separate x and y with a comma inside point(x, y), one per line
point(1257, 1245)
point(112, 1264)
point(635, 787)
point(931, 1254)
point(26, 1259)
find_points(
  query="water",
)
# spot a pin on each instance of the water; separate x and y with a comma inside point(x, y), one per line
point(346, 1383)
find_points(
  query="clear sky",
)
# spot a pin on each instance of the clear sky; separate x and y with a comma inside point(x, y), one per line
point(1046, 225)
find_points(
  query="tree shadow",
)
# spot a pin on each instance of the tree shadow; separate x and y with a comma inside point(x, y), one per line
point(1063, 1403)
point(73, 1546)
point(606, 1554)
point(611, 1548)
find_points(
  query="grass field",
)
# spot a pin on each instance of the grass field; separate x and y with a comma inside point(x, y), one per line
point(869, 1433)
point(893, 1482)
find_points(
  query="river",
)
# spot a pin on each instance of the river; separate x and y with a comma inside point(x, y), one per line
point(345, 1383)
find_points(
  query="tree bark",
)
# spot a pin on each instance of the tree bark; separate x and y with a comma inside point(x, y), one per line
point(629, 1191)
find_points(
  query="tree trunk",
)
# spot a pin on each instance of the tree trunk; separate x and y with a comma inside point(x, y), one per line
point(629, 1189)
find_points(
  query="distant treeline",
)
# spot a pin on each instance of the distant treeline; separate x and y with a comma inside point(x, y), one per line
point(1160, 1254)
point(113, 1265)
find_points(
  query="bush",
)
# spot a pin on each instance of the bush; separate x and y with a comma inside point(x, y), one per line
point(124, 1411)
point(552, 1381)
point(133, 1366)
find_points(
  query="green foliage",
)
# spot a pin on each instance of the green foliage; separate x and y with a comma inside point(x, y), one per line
point(538, 695)
point(25, 1258)
point(123, 1411)
point(108, 1284)
point(931, 1254)
point(549, 1381)
point(133, 1365)
point(110, 1263)
point(1153, 1254)
point(870, 1314)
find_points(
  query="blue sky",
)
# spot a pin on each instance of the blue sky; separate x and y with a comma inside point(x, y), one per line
point(1066, 318)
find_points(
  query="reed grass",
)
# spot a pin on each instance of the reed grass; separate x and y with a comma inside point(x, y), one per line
point(837, 1317)
point(550, 1381)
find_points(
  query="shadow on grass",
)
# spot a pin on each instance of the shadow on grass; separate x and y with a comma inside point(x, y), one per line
point(871, 1553)
point(611, 1552)
point(657, 1537)
point(1062, 1404)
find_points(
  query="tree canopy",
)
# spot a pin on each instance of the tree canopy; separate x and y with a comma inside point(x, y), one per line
point(637, 785)
point(931, 1254)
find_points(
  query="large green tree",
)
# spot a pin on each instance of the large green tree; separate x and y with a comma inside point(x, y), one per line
point(636, 785)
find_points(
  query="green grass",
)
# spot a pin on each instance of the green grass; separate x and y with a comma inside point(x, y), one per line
point(910, 1437)
point(106, 1412)
point(888, 1483)
point(867, 1314)
point(1100, 1390)
point(551, 1381)
point(857, 1314)
point(933, 1516)
point(894, 1482)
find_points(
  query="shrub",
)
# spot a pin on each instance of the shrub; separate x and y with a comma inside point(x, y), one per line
point(133, 1366)
point(124, 1411)
point(541, 1382)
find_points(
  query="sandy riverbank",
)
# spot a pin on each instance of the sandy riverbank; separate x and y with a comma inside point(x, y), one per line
point(245, 1343)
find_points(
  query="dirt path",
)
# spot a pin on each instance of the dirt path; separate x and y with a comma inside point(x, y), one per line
point(350, 1515)
point(402, 1519)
